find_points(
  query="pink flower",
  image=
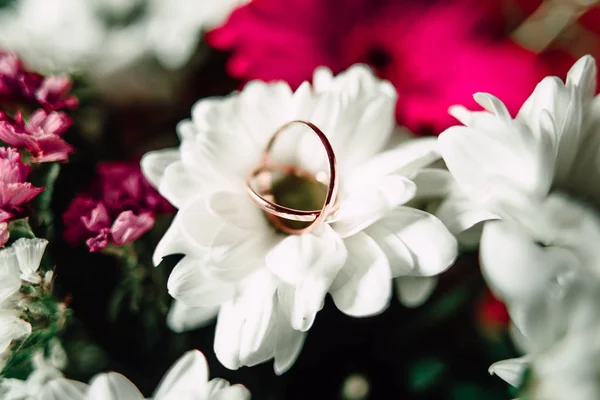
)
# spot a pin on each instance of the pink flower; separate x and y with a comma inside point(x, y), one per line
point(15, 82)
point(43, 131)
point(129, 227)
point(436, 55)
point(53, 93)
point(41, 135)
point(15, 191)
point(118, 208)
point(18, 84)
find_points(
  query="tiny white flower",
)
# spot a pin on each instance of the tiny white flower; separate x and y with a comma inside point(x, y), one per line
point(536, 176)
point(29, 253)
point(45, 382)
point(186, 380)
point(269, 286)
point(101, 37)
point(11, 328)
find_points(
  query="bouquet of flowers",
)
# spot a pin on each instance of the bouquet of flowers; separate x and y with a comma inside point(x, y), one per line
point(311, 199)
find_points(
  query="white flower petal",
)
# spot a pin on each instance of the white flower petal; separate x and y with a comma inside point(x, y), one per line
point(234, 230)
point(217, 384)
point(363, 206)
point(178, 185)
point(63, 389)
point(155, 163)
point(583, 74)
point(9, 264)
point(182, 318)
point(321, 253)
point(175, 242)
point(404, 159)
point(493, 105)
point(302, 302)
point(509, 153)
point(29, 253)
point(11, 328)
point(112, 386)
point(243, 324)
point(192, 283)
point(219, 389)
point(459, 213)
point(432, 246)
point(512, 370)
point(363, 286)
point(515, 266)
point(288, 344)
point(433, 183)
point(400, 258)
point(308, 264)
point(188, 376)
point(9, 286)
point(413, 291)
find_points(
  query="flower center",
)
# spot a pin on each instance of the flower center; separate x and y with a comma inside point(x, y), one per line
point(298, 192)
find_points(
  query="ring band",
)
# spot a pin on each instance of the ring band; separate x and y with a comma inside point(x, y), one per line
point(276, 211)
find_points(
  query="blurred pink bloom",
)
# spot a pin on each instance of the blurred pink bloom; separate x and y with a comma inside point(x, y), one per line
point(15, 191)
point(15, 82)
point(118, 208)
point(129, 227)
point(18, 84)
point(4, 233)
point(53, 93)
point(436, 54)
point(41, 135)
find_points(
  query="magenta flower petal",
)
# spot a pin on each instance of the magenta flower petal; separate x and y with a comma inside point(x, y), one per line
point(43, 123)
point(99, 241)
point(15, 82)
point(98, 219)
point(129, 227)
point(75, 230)
point(15, 191)
point(15, 135)
point(4, 233)
point(435, 55)
point(11, 168)
point(53, 94)
point(52, 148)
point(4, 215)
point(120, 199)
point(13, 195)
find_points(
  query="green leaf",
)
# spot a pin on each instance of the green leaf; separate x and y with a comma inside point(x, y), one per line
point(45, 176)
point(20, 228)
point(472, 391)
point(426, 374)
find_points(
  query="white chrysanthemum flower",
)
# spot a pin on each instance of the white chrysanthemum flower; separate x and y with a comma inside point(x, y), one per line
point(102, 36)
point(561, 338)
point(186, 380)
point(269, 286)
point(537, 174)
